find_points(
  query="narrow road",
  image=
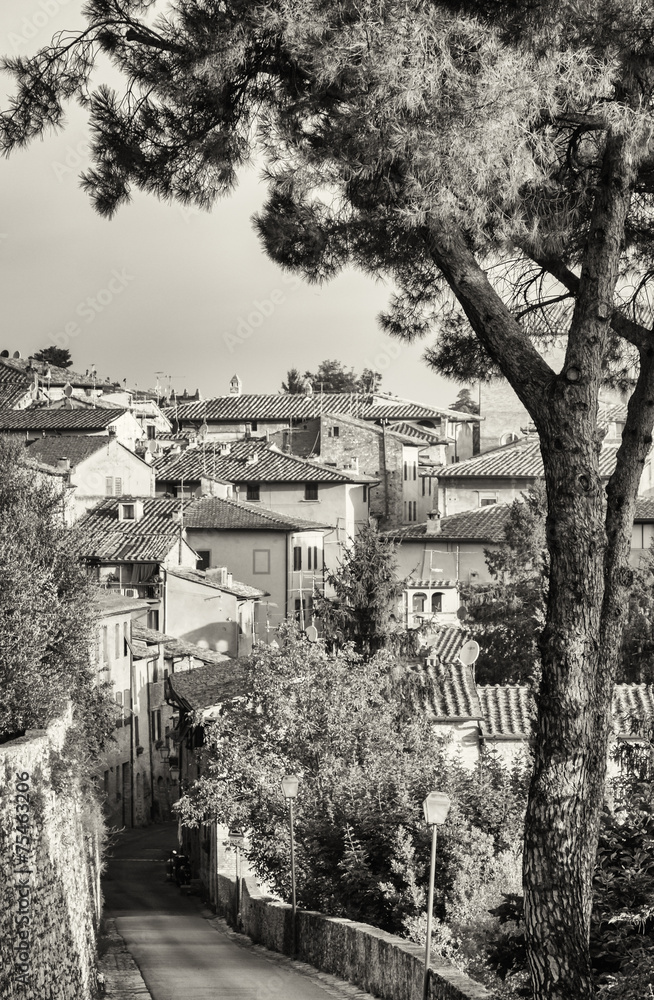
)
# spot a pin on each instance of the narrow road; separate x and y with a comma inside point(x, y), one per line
point(179, 952)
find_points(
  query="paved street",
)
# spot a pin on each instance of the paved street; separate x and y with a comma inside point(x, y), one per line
point(179, 952)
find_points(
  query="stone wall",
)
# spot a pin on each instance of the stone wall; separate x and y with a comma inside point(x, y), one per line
point(50, 843)
point(372, 959)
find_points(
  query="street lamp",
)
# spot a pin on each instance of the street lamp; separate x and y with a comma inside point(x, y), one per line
point(289, 787)
point(436, 807)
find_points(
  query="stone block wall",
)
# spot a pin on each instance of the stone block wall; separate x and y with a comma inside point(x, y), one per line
point(372, 959)
point(50, 903)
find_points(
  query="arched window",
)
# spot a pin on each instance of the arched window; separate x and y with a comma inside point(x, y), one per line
point(436, 602)
point(419, 601)
point(508, 438)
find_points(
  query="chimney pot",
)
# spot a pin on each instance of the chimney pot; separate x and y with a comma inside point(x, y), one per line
point(433, 523)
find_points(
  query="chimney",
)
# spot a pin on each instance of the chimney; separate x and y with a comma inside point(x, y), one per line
point(63, 464)
point(433, 526)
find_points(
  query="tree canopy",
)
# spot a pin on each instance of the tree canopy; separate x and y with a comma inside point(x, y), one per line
point(59, 356)
point(332, 376)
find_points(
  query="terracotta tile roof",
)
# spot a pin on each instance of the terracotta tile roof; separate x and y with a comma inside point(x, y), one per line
point(644, 509)
point(483, 524)
point(58, 376)
point(236, 588)
point(100, 535)
point(445, 644)
point(521, 460)
point(12, 393)
point(291, 406)
point(112, 602)
point(207, 686)
point(445, 691)
point(509, 710)
point(42, 418)
point(421, 434)
point(266, 465)
point(176, 647)
point(76, 448)
point(227, 515)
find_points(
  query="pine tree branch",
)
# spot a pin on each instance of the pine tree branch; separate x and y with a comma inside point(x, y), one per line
point(497, 329)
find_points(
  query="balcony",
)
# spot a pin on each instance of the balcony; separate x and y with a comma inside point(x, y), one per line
point(145, 591)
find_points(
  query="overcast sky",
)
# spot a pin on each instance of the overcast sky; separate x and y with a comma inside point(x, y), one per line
point(163, 289)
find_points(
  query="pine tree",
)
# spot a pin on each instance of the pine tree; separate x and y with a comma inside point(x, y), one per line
point(495, 162)
point(59, 356)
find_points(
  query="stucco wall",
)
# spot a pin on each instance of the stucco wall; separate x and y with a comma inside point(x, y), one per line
point(90, 477)
point(202, 614)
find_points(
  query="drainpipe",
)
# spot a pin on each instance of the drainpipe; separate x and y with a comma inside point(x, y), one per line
point(132, 752)
point(385, 470)
point(150, 734)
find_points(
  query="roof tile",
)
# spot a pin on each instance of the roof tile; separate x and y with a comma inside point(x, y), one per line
point(42, 418)
point(521, 460)
point(250, 460)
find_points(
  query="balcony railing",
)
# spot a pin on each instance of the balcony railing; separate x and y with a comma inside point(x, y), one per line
point(146, 591)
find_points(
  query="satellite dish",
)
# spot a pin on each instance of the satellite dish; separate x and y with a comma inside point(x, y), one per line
point(469, 653)
point(311, 633)
point(68, 390)
point(152, 446)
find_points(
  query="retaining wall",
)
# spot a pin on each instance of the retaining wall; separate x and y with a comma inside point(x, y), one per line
point(49, 875)
point(375, 961)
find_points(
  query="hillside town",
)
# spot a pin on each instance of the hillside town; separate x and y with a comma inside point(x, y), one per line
point(206, 523)
point(327, 594)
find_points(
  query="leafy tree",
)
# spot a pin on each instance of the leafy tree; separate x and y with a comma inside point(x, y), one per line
point(494, 162)
point(508, 616)
point(46, 617)
point(295, 383)
point(364, 611)
point(59, 356)
point(365, 764)
point(464, 402)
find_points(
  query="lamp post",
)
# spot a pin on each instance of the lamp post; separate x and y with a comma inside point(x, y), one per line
point(436, 807)
point(289, 787)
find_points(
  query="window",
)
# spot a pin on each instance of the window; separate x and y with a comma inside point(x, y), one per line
point(253, 491)
point(261, 561)
point(117, 642)
point(424, 484)
point(297, 557)
point(487, 499)
point(153, 618)
point(415, 470)
point(365, 494)
point(254, 425)
point(126, 704)
point(119, 702)
point(137, 741)
point(311, 491)
point(127, 511)
point(156, 725)
point(303, 608)
point(415, 510)
point(125, 638)
point(105, 644)
point(333, 432)
point(436, 603)
point(118, 486)
point(152, 432)
point(312, 557)
point(418, 602)
point(406, 471)
point(204, 558)
point(109, 486)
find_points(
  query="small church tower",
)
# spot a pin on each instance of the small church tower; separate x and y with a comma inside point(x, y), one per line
point(235, 386)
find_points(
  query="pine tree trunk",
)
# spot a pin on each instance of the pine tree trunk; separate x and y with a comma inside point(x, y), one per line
point(566, 792)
